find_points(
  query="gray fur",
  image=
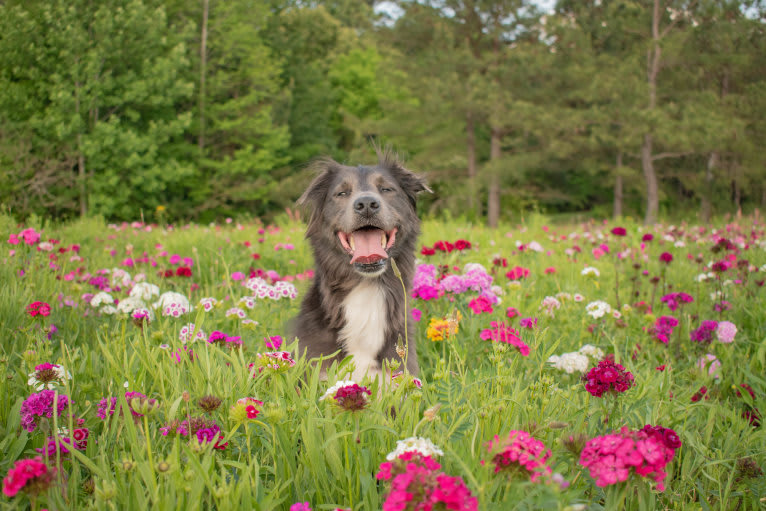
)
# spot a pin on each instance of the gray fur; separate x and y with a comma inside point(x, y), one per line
point(321, 316)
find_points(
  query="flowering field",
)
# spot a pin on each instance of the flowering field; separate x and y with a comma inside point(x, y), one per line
point(587, 367)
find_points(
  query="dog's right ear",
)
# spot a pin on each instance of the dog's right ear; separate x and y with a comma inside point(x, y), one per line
point(325, 168)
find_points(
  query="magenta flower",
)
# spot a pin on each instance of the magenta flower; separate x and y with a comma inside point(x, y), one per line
point(619, 231)
point(663, 328)
point(674, 300)
point(704, 334)
point(608, 377)
point(480, 304)
point(300, 506)
point(528, 322)
point(520, 452)
point(666, 257)
point(30, 476)
point(41, 405)
point(499, 332)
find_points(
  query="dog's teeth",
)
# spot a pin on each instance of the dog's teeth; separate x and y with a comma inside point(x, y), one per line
point(351, 241)
point(383, 240)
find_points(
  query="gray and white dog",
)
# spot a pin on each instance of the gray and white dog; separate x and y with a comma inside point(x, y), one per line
point(361, 217)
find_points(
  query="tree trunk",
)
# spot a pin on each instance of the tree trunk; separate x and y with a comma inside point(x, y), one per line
point(653, 57)
point(202, 71)
point(652, 190)
point(618, 186)
point(707, 192)
point(493, 198)
point(81, 176)
point(470, 129)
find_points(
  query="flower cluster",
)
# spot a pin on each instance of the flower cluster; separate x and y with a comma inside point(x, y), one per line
point(520, 453)
point(31, 476)
point(576, 361)
point(246, 408)
point(272, 361)
point(704, 333)
point(428, 284)
point(41, 309)
point(173, 304)
point(726, 332)
point(499, 332)
point(48, 376)
point(348, 396)
point(78, 441)
point(612, 458)
point(607, 377)
point(663, 328)
point(262, 289)
point(107, 406)
point(415, 483)
point(440, 329)
point(222, 340)
point(517, 273)
point(675, 300)
point(598, 309)
point(190, 333)
point(549, 305)
point(41, 405)
point(206, 431)
point(445, 246)
point(423, 446)
point(480, 304)
point(28, 235)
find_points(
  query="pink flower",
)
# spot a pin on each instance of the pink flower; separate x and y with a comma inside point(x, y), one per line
point(13, 239)
point(512, 312)
point(273, 342)
point(608, 377)
point(499, 332)
point(237, 276)
point(619, 231)
point(38, 309)
point(28, 475)
point(416, 314)
point(480, 304)
point(666, 257)
point(30, 236)
point(300, 506)
point(710, 362)
point(521, 450)
point(517, 273)
point(726, 332)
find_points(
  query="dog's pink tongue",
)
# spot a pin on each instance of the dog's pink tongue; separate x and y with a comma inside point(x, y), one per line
point(367, 246)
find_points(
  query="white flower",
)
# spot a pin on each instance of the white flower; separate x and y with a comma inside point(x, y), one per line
point(535, 246)
point(332, 390)
point(247, 301)
point(598, 309)
point(236, 311)
point(101, 298)
point(417, 444)
point(120, 277)
point(130, 304)
point(591, 351)
point(679, 244)
point(144, 291)
point(702, 277)
point(208, 303)
point(589, 271)
point(56, 375)
point(189, 333)
point(470, 267)
point(108, 310)
point(174, 300)
point(570, 362)
point(578, 297)
point(563, 296)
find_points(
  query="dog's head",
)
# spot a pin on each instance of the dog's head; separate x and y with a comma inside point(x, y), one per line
point(364, 214)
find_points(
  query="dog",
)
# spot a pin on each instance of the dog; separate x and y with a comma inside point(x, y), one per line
point(361, 218)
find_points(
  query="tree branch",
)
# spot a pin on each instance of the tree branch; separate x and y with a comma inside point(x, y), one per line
point(660, 156)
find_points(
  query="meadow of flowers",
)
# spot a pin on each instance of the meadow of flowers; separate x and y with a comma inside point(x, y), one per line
point(593, 366)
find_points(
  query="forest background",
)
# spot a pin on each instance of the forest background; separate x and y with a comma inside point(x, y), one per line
point(199, 110)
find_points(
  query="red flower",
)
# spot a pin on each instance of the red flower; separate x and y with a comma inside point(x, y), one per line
point(38, 309)
point(619, 231)
point(462, 244)
point(647, 237)
point(427, 251)
point(666, 257)
point(183, 271)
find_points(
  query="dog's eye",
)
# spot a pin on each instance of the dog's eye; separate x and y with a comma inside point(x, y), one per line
point(386, 189)
point(341, 194)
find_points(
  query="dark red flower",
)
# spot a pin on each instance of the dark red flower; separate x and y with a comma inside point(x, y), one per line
point(666, 257)
point(183, 271)
point(462, 244)
point(427, 251)
point(38, 309)
point(647, 237)
point(619, 231)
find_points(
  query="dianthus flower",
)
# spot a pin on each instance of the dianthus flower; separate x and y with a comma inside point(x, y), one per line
point(570, 362)
point(190, 333)
point(480, 304)
point(63, 445)
point(612, 458)
point(222, 340)
point(666, 257)
point(499, 332)
point(517, 273)
point(726, 332)
point(205, 430)
point(608, 377)
point(348, 396)
point(704, 334)
point(710, 362)
point(107, 406)
point(520, 453)
point(272, 361)
point(423, 446)
point(41, 405)
point(300, 506)
point(674, 300)
point(31, 476)
point(528, 322)
point(415, 483)
point(38, 309)
point(663, 328)
point(598, 309)
point(619, 231)
point(246, 408)
point(48, 376)
point(549, 305)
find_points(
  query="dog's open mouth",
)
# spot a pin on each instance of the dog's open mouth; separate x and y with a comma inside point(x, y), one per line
point(368, 245)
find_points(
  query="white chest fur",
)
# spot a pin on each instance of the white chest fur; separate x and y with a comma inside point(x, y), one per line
point(365, 311)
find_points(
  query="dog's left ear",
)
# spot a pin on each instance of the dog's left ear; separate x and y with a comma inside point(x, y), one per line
point(325, 169)
point(411, 183)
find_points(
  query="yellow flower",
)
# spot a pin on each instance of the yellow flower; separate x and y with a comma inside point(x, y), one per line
point(440, 329)
point(160, 208)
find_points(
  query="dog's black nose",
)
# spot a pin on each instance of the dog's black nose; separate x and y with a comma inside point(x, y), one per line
point(366, 205)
